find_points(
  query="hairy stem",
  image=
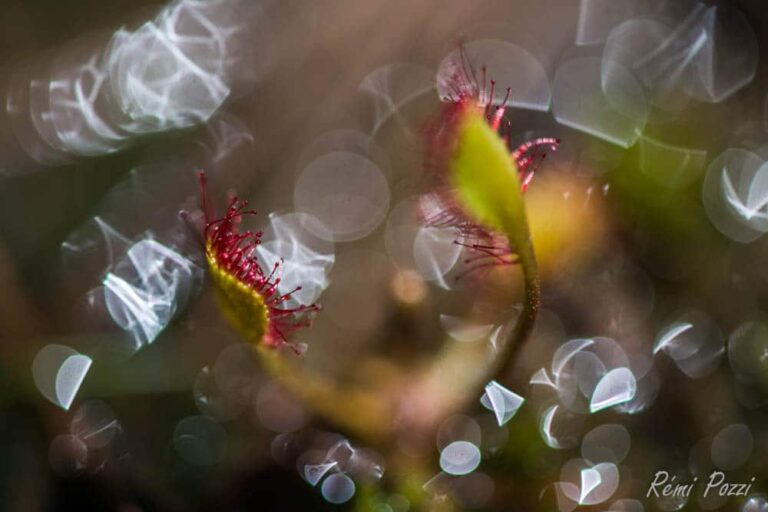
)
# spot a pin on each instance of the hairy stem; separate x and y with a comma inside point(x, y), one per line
point(525, 322)
point(456, 376)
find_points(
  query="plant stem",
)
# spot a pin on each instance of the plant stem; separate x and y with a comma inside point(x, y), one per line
point(457, 375)
point(527, 319)
point(361, 413)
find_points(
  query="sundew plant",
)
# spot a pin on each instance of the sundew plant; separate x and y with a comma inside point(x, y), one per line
point(384, 256)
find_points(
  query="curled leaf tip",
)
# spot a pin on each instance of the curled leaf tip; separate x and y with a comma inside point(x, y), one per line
point(248, 295)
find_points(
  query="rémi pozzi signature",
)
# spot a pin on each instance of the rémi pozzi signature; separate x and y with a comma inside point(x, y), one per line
point(664, 486)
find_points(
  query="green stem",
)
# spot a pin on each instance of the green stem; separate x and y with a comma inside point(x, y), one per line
point(456, 376)
point(527, 319)
point(359, 412)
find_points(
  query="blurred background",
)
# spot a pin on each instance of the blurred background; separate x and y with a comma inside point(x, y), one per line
point(124, 390)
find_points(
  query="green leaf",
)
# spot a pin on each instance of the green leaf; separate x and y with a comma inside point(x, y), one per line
point(484, 178)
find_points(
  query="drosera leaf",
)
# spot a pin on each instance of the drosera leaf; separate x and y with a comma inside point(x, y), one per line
point(485, 178)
